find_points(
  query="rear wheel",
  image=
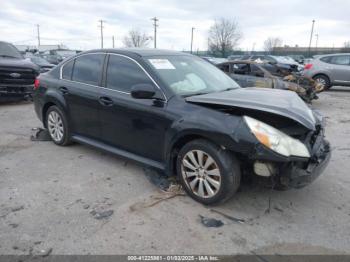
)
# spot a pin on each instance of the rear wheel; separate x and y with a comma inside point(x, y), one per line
point(208, 173)
point(324, 80)
point(57, 126)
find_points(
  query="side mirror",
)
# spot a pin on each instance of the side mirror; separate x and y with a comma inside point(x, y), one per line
point(143, 91)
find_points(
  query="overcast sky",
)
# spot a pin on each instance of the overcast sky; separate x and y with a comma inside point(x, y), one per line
point(75, 22)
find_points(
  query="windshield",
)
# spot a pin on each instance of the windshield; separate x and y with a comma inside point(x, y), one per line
point(66, 53)
point(189, 75)
point(283, 60)
point(8, 50)
point(36, 59)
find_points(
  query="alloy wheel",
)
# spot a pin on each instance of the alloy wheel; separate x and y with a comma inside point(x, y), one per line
point(201, 173)
point(321, 81)
point(55, 126)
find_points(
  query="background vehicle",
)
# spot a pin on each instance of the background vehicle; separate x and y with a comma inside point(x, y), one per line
point(41, 62)
point(234, 57)
point(214, 60)
point(57, 56)
point(182, 115)
point(250, 74)
point(330, 69)
point(17, 75)
point(281, 62)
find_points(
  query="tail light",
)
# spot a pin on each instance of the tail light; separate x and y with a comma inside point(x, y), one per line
point(308, 66)
point(36, 83)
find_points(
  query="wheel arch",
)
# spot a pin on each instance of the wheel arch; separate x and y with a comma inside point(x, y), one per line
point(51, 101)
point(177, 144)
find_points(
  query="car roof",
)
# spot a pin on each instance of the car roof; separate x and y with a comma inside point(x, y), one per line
point(138, 51)
point(319, 56)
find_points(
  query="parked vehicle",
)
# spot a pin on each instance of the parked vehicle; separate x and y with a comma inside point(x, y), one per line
point(281, 62)
point(17, 75)
point(252, 74)
point(43, 64)
point(298, 58)
point(214, 60)
point(234, 57)
point(330, 70)
point(182, 115)
point(57, 56)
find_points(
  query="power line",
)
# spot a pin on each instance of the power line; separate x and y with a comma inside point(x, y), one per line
point(155, 20)
point(101, 27)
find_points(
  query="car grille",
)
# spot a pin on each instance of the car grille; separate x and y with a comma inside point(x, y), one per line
point(25, 76)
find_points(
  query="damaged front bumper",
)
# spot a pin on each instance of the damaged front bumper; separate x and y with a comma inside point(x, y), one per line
point(297, 172)
point(300, 174)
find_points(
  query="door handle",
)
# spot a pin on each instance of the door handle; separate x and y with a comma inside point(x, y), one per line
point(64, 90)
point(105, 101)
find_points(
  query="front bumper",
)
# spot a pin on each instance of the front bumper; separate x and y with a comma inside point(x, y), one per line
point(300, 174)
point(15, 91)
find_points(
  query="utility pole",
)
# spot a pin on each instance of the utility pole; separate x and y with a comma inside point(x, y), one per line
point(113, 41)
point(101, 26)
point(192, 38)
point(253, 48)
point(316, 41)
point(155, 20)
point(312, 32)
point(38, 30)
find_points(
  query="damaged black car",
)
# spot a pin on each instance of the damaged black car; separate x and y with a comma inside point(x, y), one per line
point(181, 115)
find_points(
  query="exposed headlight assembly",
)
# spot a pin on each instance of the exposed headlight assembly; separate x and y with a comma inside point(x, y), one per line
point(275, 139)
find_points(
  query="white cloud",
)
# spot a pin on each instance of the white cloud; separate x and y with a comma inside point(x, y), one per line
point(75, 22)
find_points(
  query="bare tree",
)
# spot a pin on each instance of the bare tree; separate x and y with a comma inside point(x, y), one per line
point(224, 36)
point(271, 43)
point(136, 38)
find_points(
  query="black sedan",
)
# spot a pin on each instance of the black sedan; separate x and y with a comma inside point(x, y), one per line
point(179, 114)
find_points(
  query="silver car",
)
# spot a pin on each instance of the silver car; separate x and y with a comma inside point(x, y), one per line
point(330, 70)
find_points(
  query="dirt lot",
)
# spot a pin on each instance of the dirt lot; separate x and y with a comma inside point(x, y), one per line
point(50, 199)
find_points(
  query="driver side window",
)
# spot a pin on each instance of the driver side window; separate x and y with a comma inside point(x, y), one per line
point(123, 73)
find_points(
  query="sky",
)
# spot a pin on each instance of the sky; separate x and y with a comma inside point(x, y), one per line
point(75, 22)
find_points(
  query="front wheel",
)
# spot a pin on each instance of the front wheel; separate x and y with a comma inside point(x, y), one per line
point(208, 173)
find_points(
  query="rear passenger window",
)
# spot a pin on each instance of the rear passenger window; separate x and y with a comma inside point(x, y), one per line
point(340, 60)
point(88, 68)
point(67, 70)
point(123, 73)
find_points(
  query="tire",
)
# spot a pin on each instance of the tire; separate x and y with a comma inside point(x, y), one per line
point(56, 123)
point(324, 80)
point(219, 180)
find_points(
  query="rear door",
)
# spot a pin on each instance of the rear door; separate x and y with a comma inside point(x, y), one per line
point(134, 125)
point(340, 68)
point(80, 85)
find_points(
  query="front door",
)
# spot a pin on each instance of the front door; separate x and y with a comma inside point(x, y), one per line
point(134, 125)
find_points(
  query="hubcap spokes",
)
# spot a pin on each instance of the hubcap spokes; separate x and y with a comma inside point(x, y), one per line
point(55, 126)
point(321, 81)
point(201, 173)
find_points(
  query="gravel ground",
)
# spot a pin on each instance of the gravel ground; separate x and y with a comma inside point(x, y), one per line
point(78, 200)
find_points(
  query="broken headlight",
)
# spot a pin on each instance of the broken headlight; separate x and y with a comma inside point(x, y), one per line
point(275, 139)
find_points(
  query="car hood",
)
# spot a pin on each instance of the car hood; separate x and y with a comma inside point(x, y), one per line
point(279, 102)
point(16, 62)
